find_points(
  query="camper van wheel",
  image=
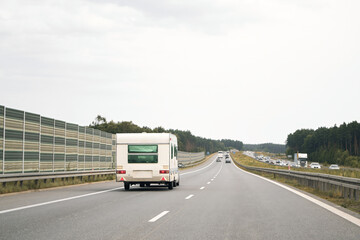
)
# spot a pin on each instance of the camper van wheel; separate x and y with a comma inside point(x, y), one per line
point(170, 185)
point(127, 186)
point(178, 183)
point(174, 184)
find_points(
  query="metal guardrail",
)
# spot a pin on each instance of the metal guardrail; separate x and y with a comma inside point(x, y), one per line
point(43, 176)
point(190, 164)
point(186, 158)
point(349, 187)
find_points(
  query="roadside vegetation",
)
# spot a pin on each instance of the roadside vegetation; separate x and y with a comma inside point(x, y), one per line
point(343, 171)
point(265, 147)
point(332, 196)
point(186, 140)
point(335, 145)
point(10, 187)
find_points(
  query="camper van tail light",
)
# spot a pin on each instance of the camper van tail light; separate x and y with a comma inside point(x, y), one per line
point(164, 171)
point(121, 172)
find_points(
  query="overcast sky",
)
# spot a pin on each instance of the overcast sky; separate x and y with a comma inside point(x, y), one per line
point(249, 70)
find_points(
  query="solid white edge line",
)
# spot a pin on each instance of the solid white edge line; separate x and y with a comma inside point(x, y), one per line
point(159, 216)
point(190, 196)
point(198, 169)
point(57, 201)
point(336, 211)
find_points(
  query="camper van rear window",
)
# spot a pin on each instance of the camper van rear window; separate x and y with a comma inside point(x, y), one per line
point(143, 148)
point(142, 158)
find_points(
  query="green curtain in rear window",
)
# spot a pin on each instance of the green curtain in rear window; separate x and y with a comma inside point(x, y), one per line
point(142, 148)
point(142, 159)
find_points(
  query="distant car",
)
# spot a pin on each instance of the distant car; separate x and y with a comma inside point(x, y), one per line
point(228, 160)
point(218, 159)
point(180, 165)
point(292, 164)
point(334, 166)
point(315, 165)
point(227, 156)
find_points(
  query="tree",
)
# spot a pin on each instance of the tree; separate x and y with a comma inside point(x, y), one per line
point(186, 140)
point(331, 145)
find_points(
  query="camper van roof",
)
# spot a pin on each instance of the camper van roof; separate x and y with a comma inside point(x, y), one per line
point(140, 138)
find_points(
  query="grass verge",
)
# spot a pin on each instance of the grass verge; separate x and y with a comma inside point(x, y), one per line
point(48, 183)
point(344, 172)
point(331, 196)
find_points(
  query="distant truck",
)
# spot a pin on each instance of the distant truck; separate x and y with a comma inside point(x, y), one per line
point(300, 159)
point(220, 154)
point(147, 158)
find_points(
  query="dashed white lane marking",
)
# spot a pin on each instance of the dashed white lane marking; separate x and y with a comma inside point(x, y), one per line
point(190, 196)
point(57, 201)
point(159, 216)
point(202, 188)
point(208, 182)
point(212, 179)
point(338, 212)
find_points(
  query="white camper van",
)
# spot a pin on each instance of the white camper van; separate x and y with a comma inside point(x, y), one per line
point(147, 158)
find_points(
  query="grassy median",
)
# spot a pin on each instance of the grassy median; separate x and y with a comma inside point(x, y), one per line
point(344, 172)
point(332, 196)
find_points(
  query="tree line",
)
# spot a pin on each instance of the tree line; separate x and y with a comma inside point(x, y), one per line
point(186, 140)
point(340, 145)
point(265, 147)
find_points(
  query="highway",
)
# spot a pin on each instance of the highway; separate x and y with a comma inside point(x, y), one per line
point(216, 200)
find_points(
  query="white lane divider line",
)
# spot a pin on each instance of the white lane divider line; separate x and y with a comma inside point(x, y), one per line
point(208, 182)
point(202, 188)
point(190, 196)
point(57, 201)
point(159, 216)
point(212, 179)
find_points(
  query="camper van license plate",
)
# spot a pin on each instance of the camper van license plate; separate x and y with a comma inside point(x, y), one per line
point(143, 173)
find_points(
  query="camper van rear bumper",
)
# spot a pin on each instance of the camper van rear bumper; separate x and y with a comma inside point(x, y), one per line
point(159, 179)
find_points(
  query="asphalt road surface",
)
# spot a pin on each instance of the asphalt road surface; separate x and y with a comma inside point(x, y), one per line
point(214, 201)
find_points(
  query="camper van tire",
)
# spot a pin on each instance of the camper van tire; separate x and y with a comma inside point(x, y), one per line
point(170, 185)
point(126, 186)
